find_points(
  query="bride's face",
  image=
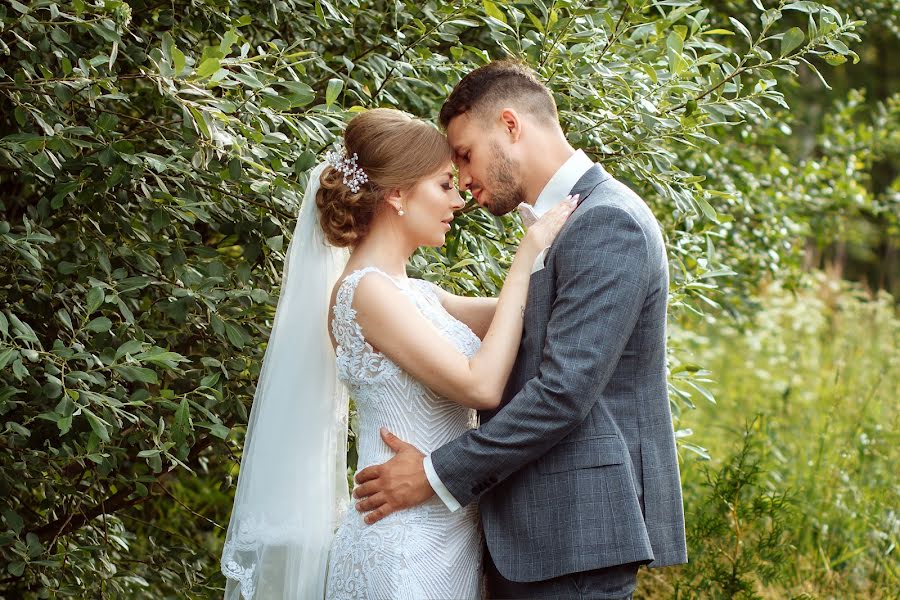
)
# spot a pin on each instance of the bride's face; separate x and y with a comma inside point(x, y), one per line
point(429, 207)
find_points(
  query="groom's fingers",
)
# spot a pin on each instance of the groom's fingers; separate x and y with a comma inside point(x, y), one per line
point(379, 514)
point(368, 474)
point(393, 442)
point(366, 489)
point(371, 503)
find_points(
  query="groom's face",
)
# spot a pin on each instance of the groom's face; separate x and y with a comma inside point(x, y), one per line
point(486, 169)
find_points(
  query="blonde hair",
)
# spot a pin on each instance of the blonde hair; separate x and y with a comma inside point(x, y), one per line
point(396, 151)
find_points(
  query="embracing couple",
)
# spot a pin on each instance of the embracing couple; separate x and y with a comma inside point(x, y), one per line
point(569, 483)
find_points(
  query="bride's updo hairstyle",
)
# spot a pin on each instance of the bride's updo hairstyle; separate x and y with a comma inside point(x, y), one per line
point(395, 151)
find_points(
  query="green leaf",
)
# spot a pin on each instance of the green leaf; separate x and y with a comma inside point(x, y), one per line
point(334, 89)
point(791, 39)
point(34, 545)
point(22, 330)
point(98, 425)
point(129, 347)
point(235, 335)
point(95, 297)
point(491, 10)
point(708, 211)
point(4, 325)
point(13, 519)
point(60, 36)
point(142, 374)
point(804, 6)
point(106, 31)
point(698, 450)
point(178, 60)
point(234, 169)
point(276, 242)
point(99, 325)
point(22, 9)
point(228, 40)
point(6, 356)
point(64, 424)
point(181, 425)
point(674, 42)
point(200, 120)
point(208, 67)
point(162, 357)
point(300, 93)
point(741, 28)
point(220, 431)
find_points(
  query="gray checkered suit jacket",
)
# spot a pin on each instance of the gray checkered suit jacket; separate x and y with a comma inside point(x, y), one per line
point(577, 470)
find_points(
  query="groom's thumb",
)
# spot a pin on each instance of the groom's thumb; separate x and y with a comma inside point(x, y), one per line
point(393, 442)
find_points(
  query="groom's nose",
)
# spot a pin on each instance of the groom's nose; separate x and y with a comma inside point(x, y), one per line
point(465, 179)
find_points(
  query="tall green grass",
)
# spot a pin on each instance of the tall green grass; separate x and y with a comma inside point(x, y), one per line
point(801, 498)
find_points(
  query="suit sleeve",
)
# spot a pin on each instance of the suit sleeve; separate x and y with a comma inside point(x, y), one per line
point(602, 277)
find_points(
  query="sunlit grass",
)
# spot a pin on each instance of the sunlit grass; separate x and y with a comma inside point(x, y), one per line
point(817, 377)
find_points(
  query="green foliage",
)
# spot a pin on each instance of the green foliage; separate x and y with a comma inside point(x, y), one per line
point(152, 156)
point(736, 529)
point(815, 371)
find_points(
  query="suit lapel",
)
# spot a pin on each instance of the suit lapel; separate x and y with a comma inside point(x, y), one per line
point(585, 187)
point(590, 180)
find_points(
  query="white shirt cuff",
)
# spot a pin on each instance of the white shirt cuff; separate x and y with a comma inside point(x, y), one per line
point(539, 261)
point(439, 488)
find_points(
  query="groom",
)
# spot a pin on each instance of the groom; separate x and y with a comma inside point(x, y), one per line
point(576, 474)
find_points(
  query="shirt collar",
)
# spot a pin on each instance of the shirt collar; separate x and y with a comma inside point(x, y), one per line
point(562, 182)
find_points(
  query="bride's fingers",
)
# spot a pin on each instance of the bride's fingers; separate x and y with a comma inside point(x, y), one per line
point(372, 502)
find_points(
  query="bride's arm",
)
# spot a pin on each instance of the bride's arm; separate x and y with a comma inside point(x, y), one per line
point(477, 313)
point(391, 323)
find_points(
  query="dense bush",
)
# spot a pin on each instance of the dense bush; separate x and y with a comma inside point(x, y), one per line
point(152, 155)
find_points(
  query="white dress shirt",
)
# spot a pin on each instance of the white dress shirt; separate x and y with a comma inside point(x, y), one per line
point(556, 190)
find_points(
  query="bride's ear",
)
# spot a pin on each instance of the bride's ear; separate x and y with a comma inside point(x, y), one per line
point(394, 199)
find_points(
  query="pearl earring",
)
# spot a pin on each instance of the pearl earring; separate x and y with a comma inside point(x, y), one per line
point(400, 213)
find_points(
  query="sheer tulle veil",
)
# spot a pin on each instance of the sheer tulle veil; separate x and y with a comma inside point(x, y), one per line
point(292, 488)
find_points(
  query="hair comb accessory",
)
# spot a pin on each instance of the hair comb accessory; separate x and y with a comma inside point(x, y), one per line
point(354, 176)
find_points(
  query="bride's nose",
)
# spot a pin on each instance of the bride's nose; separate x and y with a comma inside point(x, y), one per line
point(458, 202)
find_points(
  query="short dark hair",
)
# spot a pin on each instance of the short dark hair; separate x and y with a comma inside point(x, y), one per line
point(500, 81)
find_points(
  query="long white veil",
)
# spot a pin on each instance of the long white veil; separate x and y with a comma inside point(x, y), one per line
point(292, 488)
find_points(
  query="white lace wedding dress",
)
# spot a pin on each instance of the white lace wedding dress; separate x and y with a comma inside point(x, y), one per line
point(426, 552)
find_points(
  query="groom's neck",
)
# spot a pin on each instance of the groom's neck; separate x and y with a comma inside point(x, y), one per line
point(548, 156)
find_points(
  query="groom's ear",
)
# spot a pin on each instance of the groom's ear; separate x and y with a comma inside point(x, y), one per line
point(512, 123)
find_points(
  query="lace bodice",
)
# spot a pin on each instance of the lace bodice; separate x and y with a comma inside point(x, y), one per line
point(427, 551)
point(385, 395)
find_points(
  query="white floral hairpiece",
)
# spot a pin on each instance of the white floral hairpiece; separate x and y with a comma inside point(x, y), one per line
point(354, 176)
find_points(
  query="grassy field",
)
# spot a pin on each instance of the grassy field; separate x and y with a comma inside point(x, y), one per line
point(800, 498)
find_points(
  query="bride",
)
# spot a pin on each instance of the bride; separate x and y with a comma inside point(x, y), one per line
point(417, 361)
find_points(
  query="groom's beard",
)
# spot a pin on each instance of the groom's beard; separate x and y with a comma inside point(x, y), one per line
point(506, 189)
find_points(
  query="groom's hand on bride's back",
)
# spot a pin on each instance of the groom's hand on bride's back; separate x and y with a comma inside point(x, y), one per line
point(397, 484)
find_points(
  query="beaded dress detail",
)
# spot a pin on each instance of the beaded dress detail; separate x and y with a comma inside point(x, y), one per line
point(422, 553)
